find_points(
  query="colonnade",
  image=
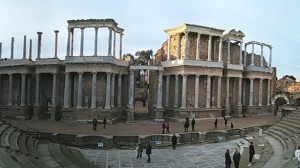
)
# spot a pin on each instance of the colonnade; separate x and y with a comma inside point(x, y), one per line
point(261, 55)
point(229, 53)
point(260, 91)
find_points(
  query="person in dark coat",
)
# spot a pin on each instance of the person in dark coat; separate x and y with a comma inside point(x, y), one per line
point(225, 122)
point(148, 151)
point(104, 122)
point(216, 123)
point(236, 158)
point(231, 125)
point(95, 122)
point(174, 141)
point(251, 153)
point(163, 126)
point(186, 124)
point(227, 159)
point(140, 150)
point(193, 124)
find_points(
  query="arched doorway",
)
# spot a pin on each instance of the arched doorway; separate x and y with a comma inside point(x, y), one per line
point(280, 100)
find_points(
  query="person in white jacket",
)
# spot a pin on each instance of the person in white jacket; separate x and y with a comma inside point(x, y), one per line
point(297, 154)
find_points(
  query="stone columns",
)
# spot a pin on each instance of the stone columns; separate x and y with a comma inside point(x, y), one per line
point(109, 41)
point(252, 55)
point(131, 89)
point(39, 46)
point(251, 92)
point(228, 52)
point(220, 49)
point(245, 55)
point(68, 42)
point(159, 89)
point(260, 92)
point(219, 91)
point(0, 50)
point(72, 41)
point(96, 42)
point(94, 90)
point(37, 89)
point(119, 90)
point(12, 48)
point(209, 48)
point(240, 92)
point(107, 99)
point(198, 52)
point(79, 90)
point(178, 46)
point(120, 48)
point(176, 91)
point(23, 84)
point(183, 94)
point(30, 50)
point(208, 91)
point(167, 90)
point(112, 96)
point(24, 48)
point(270, 58)
point(227, 91)
point(169, 41)
point(10, 89)
point(55, 48)
point(268, 92)
point(244, 92)
point(186, 45)
point(66, 93)
point(114, 45)
point(81, 41)
point(28, 91)
point(196, 104)
point(262, 56)
point(54, 89)
point(241, 53)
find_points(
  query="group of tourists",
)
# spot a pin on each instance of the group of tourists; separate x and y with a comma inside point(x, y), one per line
point(237, 157)
point(140, 147)
point(95, 123)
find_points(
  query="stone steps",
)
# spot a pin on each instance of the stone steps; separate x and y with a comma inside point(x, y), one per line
point(45, 156)
point(59, 157)
point(22, 143)
point(5, 136)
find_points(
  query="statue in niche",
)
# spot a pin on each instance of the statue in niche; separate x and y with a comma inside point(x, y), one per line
point(100, 102)
point(86, 101)
point(190, 102)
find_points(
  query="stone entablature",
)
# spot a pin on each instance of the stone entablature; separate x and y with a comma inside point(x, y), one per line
point(96, 59)
point(196, 29)
point(193, 71)
point(15, 62)
point(252, 68)
point(91, 67)
point(81, 23)
point(199, 63)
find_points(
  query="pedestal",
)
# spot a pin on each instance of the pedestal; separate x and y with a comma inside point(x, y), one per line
point(54, 113)
point(36, 113)
point(130, 114)
point(159, 113)
point(239, 111)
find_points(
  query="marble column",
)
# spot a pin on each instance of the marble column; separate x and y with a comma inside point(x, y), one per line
point(169, 43)
point(23, 85)
point(24, 48)
point(245, 55)
point(0, 50)
point(55, 47)
point(186, 45)
point(252, 55)
point(54, 89)
point(28, 91)
point(37, 89)
point(260, 92)
point(114, 45)
point(94, 90)
point(112, 96)
point(219, 91)
point(109, 41)
point(221, 49)
point(262, 56)
point(10, 89)
point(198, 50)
point(241, 53)
point(178, 46)
point(131, 89)
point(30, 50)
point(196, 104)
point(39, 46)
point(244, 91)
point(12, 48)
point(228, 52)
point(96, 41)
point(81, 41)
point(107, 99)
point(79, 90)
point(167, 90)
point(119, 103)
point(227, 91)
point(268, 92)
point(66, 91)
point(270, 58)
point(209, 48)
point(159, 89)
point(208, 91)
point(176, 91)
point(72, 41)
point(240, 92)
point(120, 47)
point(251, 92)
point(68, 42)
point(183, 93)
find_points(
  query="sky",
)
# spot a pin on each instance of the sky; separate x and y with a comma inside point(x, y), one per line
point(272, 22)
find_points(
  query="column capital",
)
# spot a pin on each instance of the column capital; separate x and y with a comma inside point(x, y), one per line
point(10, 74)
point(197, 75)
point(82, 28)
point(80, 73)
point(39, 33)
point(56, 31)
point(96, 28)
point(66, 73)
point(108, 73)
point(23, 74)
point(94, 72)
point(54, 73)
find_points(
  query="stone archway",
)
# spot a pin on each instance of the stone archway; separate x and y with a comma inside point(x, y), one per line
point(280, 100)
point(281, 96)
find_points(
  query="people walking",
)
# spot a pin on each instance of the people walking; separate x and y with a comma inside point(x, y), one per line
point(104, 122)
point(95, 122)
point(163, 126)
point(251, 153)
point(236, 158)
point(225, 122)
point(297, 155)
point(167, 127)
point(148, 151)
point(231, 125)
point(186, 124)
point(216, 124)
point(193, 124)
point(227, 159)
point(140, 149)
point(174, 141)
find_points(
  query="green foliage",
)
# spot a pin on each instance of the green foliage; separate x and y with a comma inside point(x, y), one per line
point(281, 90)
point(142, 57)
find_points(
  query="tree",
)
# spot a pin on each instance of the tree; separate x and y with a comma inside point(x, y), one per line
point(142, 57)
point(289, 76)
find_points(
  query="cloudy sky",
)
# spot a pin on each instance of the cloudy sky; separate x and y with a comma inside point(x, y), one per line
point(272, 22)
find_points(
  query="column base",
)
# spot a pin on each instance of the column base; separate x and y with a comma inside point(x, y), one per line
point(67, 106)
point(36, 112)
point(130, 114)
point(159, 113)
point(54, 113)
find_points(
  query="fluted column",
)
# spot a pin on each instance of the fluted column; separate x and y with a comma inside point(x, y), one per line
point(198, 51)
point(252, 55)
point(54, 89)
point(196, 104)
point(107, 99)
point(37, 89)
point(228, 52)
point(208, 91)
point(114, 45)
point(241, 53)
point(120, 47)
point(227, 91)
point(270, 58)
point(209, 48)
point(240, 92)
point(24, 48)
point(66, 91)
point(94, 89)
point(159, 89)
point(12, 48)
point(186, 45)
point(10, 89)
point(81, 41)
point(262, 56)
point(221, 49)
point(72, 41)
point(131, 89)
point(112, 96)
point(268, 92)
point(79, 90)
point(68, 42)
point(96, 41)
point(0, 50)
point(39, 46)
point(30, 50)
point(251, 92)
point(183, 93)
point(23, 84)
point(109, 41)
point(119, 90)
point(55, 48)
point(219, 91)
point(245, 55)
point(28, 90)
point(167, 90)
point(176, 91)
point(169, 43)
point(244, 91)
point(260, 92)
point(178, 46)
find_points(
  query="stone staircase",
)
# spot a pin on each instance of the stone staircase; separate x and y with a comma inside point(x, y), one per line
point(20, 149)
point(287, 133)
